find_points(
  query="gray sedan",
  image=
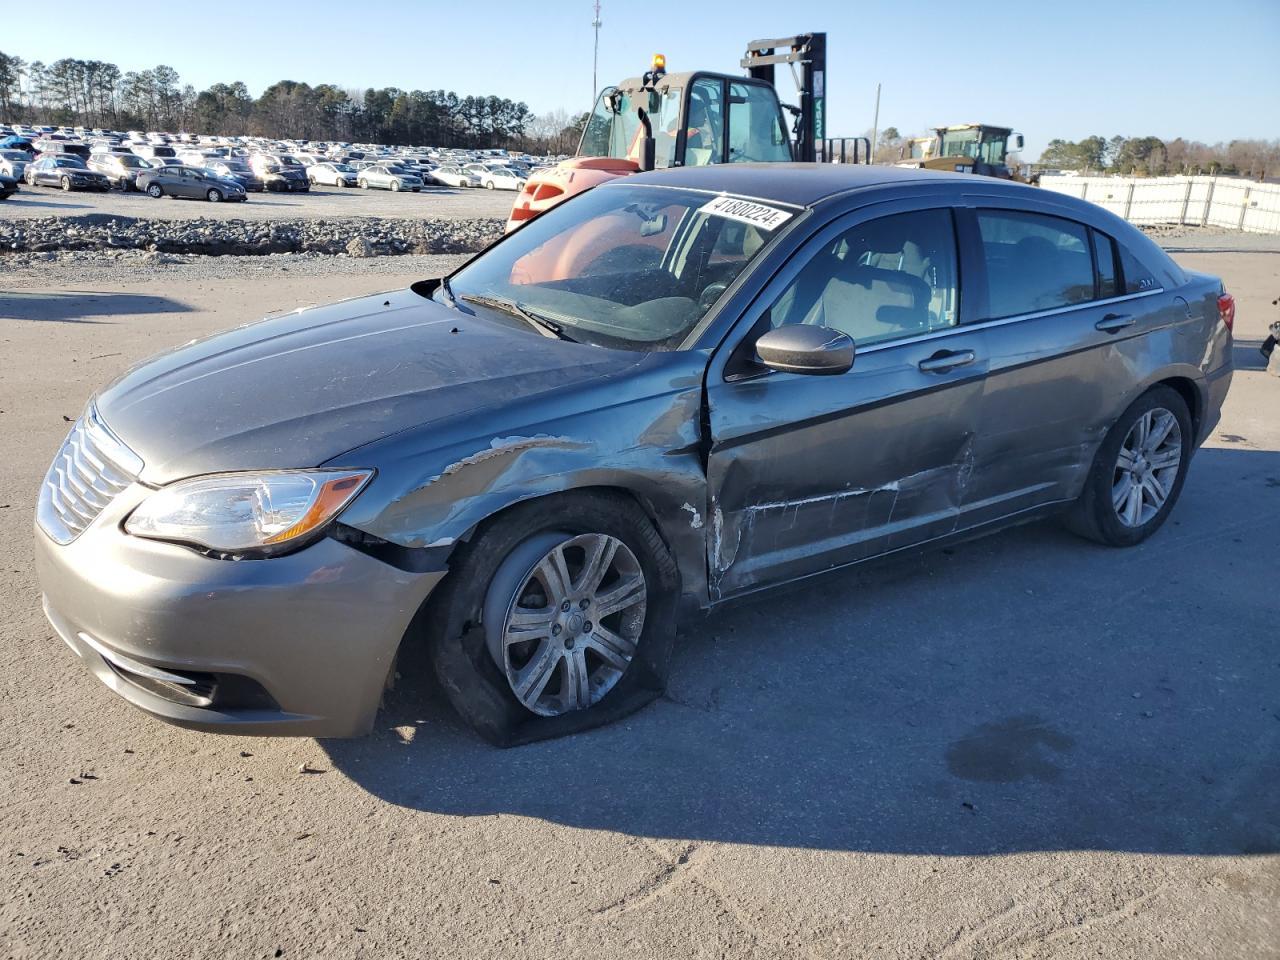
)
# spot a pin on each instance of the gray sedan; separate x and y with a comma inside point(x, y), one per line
point(670, 391)
point(195, 183)
point(388, 177)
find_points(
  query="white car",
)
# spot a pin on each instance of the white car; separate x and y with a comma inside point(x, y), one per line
point(453, 176)
point(501, 178)
point(13, 163)
point(332, 174)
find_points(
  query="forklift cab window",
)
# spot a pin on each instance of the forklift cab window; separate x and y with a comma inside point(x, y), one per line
point(665, 127)
point(704, 140)
point(612, 127)
point(755, 126)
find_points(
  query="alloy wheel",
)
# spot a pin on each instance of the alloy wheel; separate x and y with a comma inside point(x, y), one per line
point(1146, 467)
point(573, 622)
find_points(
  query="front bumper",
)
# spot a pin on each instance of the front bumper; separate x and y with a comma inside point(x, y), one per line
point(294, 645)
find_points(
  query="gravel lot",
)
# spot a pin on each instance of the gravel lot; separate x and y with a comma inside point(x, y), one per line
point(1026, 746)
point(319, 202)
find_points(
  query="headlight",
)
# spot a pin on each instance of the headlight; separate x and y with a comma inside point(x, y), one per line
point(260, 513)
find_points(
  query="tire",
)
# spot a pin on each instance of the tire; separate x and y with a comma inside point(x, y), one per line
point(214, 196)
point(155, 191)
point(66, 184)
point(395, 186)
point(467, 620)
point(488, 184)
point(364, 184)
point(1115, 510)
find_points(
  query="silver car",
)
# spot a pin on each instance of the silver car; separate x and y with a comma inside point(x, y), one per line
point(672, 390)
point(386, 176)
point(13, 163)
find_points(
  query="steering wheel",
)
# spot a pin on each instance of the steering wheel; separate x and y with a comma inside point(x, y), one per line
point(710, 294)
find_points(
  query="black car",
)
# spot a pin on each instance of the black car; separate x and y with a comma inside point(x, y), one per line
point(65, 171)
point(8, 187)
point(285, 179)
point(240, 172)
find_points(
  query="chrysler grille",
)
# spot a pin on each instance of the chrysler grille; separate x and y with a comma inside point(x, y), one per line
point(92, 467)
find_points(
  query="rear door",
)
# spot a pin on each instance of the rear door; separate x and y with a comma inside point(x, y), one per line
point(1060, 321)
point(805, 472)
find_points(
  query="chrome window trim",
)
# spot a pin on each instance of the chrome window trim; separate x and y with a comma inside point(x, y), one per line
point(1002, 321)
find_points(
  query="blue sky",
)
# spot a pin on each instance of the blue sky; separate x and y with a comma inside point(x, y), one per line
point(1206, 71)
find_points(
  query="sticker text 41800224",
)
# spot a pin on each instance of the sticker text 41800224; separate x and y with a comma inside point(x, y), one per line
point(746, 211)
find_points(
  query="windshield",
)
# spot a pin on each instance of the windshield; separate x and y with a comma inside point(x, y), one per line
point(625, 266)
point(344, 168)
point(968, 143)
point(609, 133)
point(127, 161)
point(67, 162)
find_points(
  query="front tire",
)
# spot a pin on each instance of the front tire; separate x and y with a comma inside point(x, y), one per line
point(66, 184)
point(1138, 472)
point(214, 196)
point(488, 184)
point(517, 652)
point(364, 184)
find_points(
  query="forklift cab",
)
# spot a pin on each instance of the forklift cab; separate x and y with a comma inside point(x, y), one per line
point(976, 148)
point(692, 119)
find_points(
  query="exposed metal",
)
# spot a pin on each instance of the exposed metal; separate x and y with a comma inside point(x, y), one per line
point(1147, 467)
point(570, 628)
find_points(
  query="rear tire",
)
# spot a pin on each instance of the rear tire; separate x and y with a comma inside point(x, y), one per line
point(155, 191)
point(484, 587)
point(1137, 473)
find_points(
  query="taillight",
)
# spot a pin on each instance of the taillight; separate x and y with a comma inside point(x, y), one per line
point(1227, 311)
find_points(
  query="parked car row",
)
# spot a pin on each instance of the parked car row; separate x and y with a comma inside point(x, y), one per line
point(83, 159)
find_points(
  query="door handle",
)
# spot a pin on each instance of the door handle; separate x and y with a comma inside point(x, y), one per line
point(945, 360)
point(1114, 321)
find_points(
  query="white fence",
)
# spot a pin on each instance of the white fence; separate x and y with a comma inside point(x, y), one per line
point(1229, 202)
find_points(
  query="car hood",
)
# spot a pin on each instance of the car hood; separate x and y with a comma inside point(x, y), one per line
point(301, 389)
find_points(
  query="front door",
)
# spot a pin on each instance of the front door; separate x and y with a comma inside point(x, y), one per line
point(806, 473)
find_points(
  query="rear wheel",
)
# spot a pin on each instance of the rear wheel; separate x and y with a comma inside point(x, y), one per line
point(557, 617)
point(1138, 472)
point(155, 190)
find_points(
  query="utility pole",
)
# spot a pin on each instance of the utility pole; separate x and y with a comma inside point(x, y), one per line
point(595, 57)
point(875, 126)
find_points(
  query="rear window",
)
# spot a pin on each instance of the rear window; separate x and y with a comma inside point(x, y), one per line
point(1034, 262)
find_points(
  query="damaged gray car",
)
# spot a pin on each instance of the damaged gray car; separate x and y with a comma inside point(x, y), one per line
point(668, 392)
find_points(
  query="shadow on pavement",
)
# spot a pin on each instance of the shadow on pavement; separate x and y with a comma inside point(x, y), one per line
point(24, 199)
point(77, 306)
point(1027, 691)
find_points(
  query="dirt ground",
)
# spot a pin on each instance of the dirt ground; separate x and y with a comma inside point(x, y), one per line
point(1026, 746)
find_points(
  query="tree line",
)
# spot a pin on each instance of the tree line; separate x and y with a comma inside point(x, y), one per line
point(1143, 156)
point(1153, 157)
point(93, 93)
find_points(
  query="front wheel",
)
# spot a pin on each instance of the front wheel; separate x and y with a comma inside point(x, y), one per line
point(214, 196)
point(155, 191)
point(1138, 471)
point(66, 184)
point(488, 184)
point(395, 186)
point(364, 184)
point(556, 618)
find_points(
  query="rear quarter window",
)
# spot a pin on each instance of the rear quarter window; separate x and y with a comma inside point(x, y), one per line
point(1137, 277)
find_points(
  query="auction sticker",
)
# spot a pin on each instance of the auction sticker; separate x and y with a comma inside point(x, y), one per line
point(747, 211)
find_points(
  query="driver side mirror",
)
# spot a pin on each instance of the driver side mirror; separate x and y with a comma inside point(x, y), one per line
point(801, 348)
point(1017, 141)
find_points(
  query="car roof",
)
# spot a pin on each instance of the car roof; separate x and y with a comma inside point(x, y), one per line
point(803, 184)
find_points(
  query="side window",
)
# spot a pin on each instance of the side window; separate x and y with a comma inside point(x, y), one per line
point(755, 126)
point(1104, 252)
point(882, 280)
point(704, 141)
point(1034, 262)
point(1137, 278)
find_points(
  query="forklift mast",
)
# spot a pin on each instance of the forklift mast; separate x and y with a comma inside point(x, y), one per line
point(809, 51)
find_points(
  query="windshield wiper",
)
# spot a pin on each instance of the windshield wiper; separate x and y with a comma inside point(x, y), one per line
point(448, 292)
point(548, 328)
